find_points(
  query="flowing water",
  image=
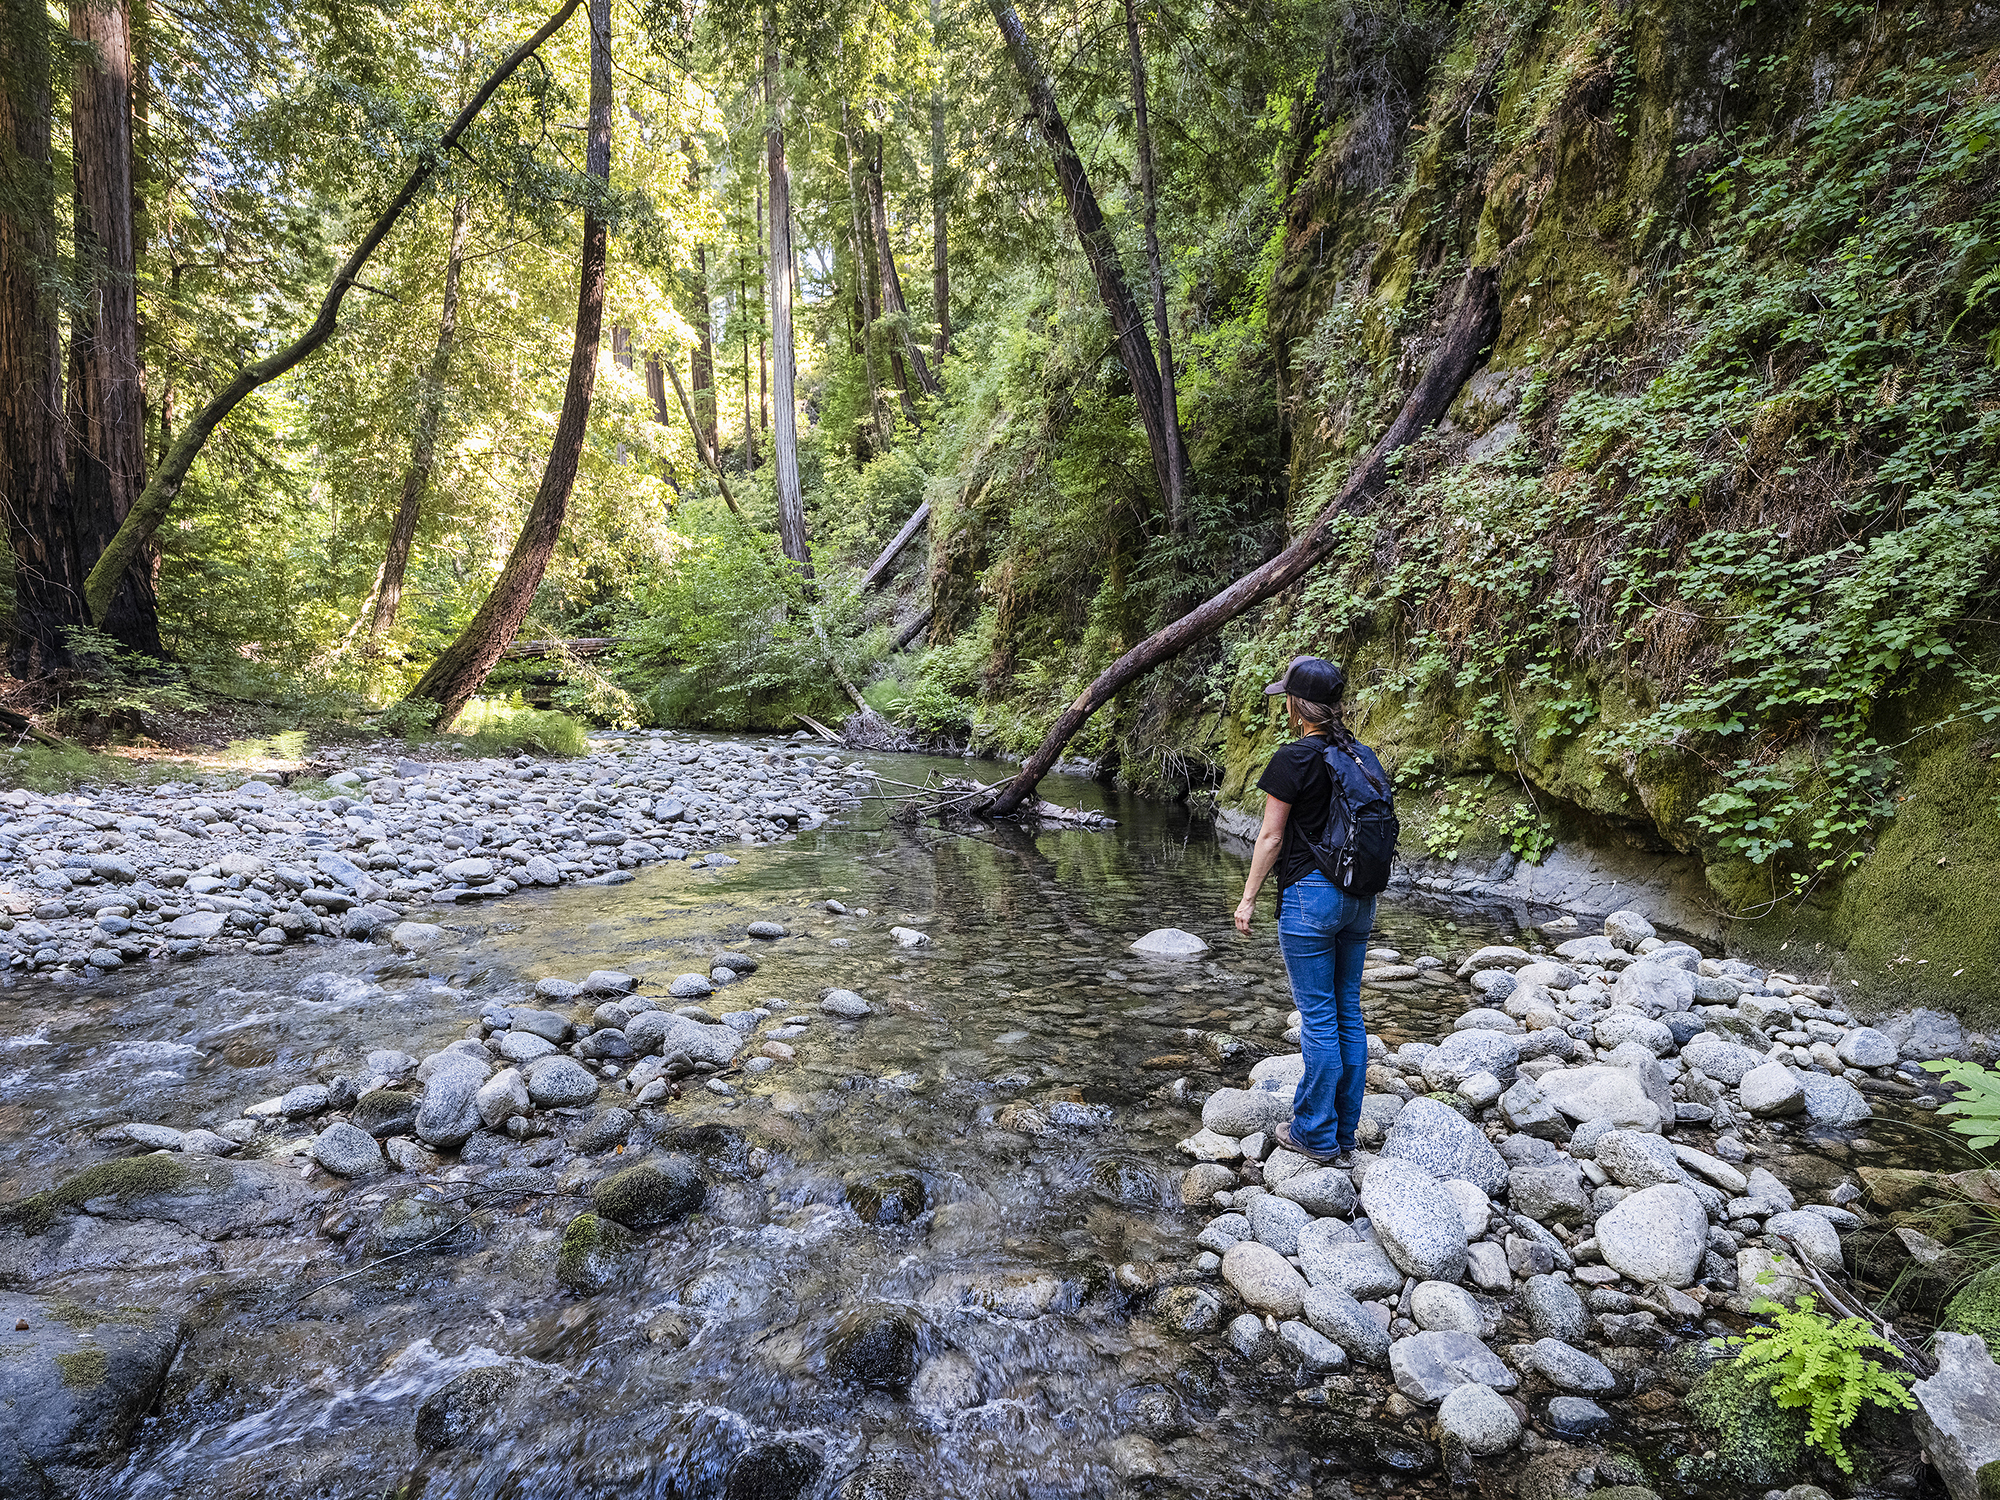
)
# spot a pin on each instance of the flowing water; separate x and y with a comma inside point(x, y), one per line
point(708, 1372)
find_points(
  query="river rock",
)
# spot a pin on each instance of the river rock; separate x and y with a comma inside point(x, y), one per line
point(877, 1349)
point(888, 1198)
point(1621, 1026)
point(449, 1111)
point(669, 1035)
point(546, 1024)
point(347, 1151)
point(1958, 1414)
point(1656, 1234)
point(1416, 1219)
point(1191, 1310)
point(691, 987)
point(1552, 1194)
point(596, 1255)
point(1441, 1307)
point(1812, 1236)
point(1725, 1061)
point(385, 1112)
point(1565, 1368)
point(950, 1381)
point(1554, 1309)
point(1480, 1418)
point(1335, 1315)
point(1628, 929)
point(1865, 1047)
point(1359, 1269)
point(1170, 942)
point(845, 1004)
point(1323, 1192)
point(1264, 1279)
point(1772, 1089)
point(1577, 1417)
point(1638, 1158)
point(1528, 1111)
point(522, 1046)
point(1465, 1053)
point(1654, 989)
point(1315, 1351)
point(1599, 1092)
point(1445, 1144)
point(1834, 1101)
point(1276, 1222)
point(1241, 1112)
point(651, 1193)
point(1427, 1367)
point(502, 1096)
point(559, 1083)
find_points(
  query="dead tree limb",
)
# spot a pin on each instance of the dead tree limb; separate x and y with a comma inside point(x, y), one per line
point(915, 628)
point(708, 456)
point(1475, 323)
point(880, 569)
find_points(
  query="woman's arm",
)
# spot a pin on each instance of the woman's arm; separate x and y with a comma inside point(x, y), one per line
point(1270, 839)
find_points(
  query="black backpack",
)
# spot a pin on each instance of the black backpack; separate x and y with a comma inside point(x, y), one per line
point(1356, 847)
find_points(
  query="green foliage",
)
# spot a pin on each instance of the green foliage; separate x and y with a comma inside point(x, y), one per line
point(1976, 1112)
point(409, 718)
point(1822, 1365)
point(45, 769)
point(488, 728)
point(116, 689)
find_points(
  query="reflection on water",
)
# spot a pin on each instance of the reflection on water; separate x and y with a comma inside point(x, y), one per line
point(744, 1352)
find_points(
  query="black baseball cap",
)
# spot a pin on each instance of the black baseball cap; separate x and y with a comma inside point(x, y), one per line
point(1310, 678)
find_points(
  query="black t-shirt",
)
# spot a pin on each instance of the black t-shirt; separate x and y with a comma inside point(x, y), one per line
point(1297, 774)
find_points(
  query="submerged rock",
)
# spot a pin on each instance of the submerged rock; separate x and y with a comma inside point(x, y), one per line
point(877, 1349)
point(597, 1254)
point(74, 1384)
point(651, 1193)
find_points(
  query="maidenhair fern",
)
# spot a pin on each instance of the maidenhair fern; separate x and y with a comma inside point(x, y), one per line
point(1978, 1110)
point(1824, 1365)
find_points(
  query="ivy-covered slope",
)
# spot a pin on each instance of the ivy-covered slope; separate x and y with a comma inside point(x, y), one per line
point(1704, 564)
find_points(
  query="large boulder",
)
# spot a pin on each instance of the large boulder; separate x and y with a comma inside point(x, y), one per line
point(1656, 1234)
point(1445, 1144)
point(1865, 1047)
point(74, 1384)
point(1654, 989)
point(1416, 1219)
point(1600, 1092)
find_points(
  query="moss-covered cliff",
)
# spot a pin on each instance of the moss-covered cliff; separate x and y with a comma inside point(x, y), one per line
point(1700, 566)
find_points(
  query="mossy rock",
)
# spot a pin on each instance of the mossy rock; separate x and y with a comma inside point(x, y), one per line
point(651, 1193)
point(1989, 1481)
point(596, 1255)
point(1975, 1309)
point(128, 1180)
point(1755, 1441)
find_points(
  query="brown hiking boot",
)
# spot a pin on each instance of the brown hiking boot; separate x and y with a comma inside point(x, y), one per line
point(1283, 1136)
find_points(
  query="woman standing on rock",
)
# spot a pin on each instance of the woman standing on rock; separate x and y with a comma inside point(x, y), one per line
point(1327, 882)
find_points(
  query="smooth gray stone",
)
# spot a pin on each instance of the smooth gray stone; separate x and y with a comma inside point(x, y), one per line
point(1480, 1418)
point(1427, 1367)
point(347, 1151)
point(449, 1110)
point(560, 1083)
point(1567, 1368)
point(1314, 1349)
point(1276, 1222)
point(1417, 1221)
point(1445, 1144)
point(1334, 1314)
point(1554, 1310)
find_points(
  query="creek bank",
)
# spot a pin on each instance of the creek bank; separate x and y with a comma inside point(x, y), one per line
point(90, 883)
point(1562, 1201)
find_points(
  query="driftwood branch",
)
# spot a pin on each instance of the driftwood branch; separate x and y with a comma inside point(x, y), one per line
point(1475, 323)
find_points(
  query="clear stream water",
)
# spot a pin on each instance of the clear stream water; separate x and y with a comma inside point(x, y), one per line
point(719, 1349)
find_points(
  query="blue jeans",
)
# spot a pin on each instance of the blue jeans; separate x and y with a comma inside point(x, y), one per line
point(1323, 933)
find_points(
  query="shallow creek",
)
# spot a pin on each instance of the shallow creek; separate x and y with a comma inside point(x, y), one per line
point(719, 1348)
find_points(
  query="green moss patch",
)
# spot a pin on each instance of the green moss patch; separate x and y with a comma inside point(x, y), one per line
point(1975, 1309)
point(83, 1369)
point(128, 1181)
point(1755, 1441)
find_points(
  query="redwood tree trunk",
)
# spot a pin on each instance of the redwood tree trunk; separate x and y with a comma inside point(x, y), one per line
point(864, 276)
point(106, 413)
point(1135, 350)
point(701, 360)
point(784, 434)
point(940, 196)
point(457, 674)
point(423, 446)
point(893, 304)
point(1468, 338)
point(48, 581)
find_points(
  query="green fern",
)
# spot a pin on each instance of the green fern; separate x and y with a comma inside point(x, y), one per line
point(1979, 1109)
point(1816, 1362)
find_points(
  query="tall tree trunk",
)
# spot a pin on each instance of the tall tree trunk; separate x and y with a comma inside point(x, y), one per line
point(763, 363)
point(784, 436)
point(1135, 350)
point(701, 359)
point(1170, 407)
point(893, 304)
point(1468, 338)
point(48, 580)
point(423, 443)
point(743, 317)
point(106, 412)
point(940, 197)
point(151, 508)
point(864, 275)
point(457, 674)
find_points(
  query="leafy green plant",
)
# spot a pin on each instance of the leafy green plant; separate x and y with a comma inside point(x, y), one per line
point(1977, 1111)
point(492, 728)
point(118, 689)
point(408, 718)
point(1823, 1365)
point(1452, 823)
point(1527, 834)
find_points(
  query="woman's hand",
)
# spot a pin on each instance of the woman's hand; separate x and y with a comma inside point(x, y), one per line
point(1245, 910)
